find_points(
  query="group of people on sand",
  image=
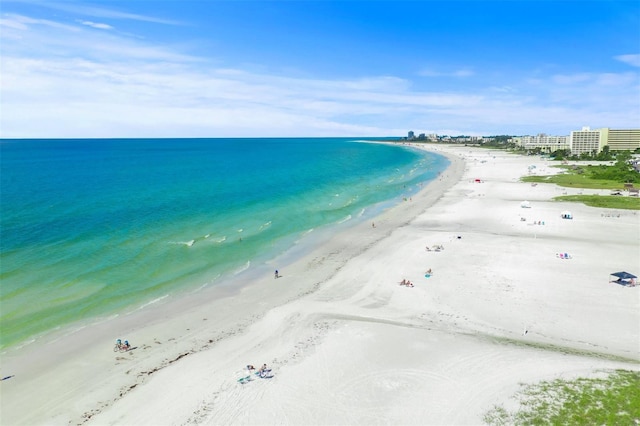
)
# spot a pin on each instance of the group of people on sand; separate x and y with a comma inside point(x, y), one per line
point(406, 283)
point(122, 346)
point(563, 255)
point(262, 371)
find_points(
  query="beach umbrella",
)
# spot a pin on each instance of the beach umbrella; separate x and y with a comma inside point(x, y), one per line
point(624, 275)
point(624, 278)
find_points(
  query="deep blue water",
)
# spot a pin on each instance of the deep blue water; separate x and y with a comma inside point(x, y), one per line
point(94, 227)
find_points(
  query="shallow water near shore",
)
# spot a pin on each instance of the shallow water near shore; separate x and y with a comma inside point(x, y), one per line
point(92, 228)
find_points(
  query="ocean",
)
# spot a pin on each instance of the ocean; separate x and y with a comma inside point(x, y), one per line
point(92, 228)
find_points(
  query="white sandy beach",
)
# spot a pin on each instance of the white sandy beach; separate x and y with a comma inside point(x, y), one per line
point(347, 344)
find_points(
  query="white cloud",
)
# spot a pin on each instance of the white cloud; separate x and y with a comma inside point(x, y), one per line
point(96, 25)
point(502, 89)
point(429, 72)
point(463, 73)
point(12, 23)
point(100, 12)
point(46, 38)
point(633, 60)
point(570, 79)
point(75, 82)
point(23, 23)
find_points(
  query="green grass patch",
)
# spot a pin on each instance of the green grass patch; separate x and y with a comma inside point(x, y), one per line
point(590, 177)
point(612, 400)
point(575, 181)
point(605, 201)
point(593, 177)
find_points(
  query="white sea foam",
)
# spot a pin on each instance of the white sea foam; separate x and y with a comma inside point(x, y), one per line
point(207, 236)
point(211, 281)
point(265, 225)
point(22, 344)
point(220, 240)
point(304, 234)
point(75, 330)
point(345, 219)
point(184, 243)
point(361, 212)
point(351, 201)
point(151, 302)
point(243, 268)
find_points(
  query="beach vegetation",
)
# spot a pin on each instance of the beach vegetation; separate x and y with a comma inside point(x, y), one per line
point(603, 201)
point(602, 176)
point(606, 154)
point(612, 399)
point(561, 154)
point(499, 141)
point(619, 177)
point(576, 178)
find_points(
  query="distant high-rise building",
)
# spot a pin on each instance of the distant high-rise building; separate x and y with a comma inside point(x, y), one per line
point(411, 135)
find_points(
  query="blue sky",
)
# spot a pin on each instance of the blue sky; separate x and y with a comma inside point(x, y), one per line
point(316, 68)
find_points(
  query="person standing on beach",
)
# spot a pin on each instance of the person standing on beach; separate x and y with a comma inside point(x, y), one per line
point(276, 275)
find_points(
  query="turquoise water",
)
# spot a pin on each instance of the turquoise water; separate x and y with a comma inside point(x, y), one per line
point(90, 228)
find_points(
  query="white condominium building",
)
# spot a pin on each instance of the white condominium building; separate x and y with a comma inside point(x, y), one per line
point(587, 140)
point(543, 142)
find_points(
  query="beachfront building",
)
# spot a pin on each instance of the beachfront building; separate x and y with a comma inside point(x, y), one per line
point(587, 141)
point(623, 140)
point(542, 142)
point(592, 141)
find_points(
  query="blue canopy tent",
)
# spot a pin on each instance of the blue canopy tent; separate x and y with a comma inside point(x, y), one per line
point(624, 278)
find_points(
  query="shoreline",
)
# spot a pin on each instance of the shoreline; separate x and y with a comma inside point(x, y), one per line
point(236, 305)
point(331, 303)
point(166, 251)
point(231, 284)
